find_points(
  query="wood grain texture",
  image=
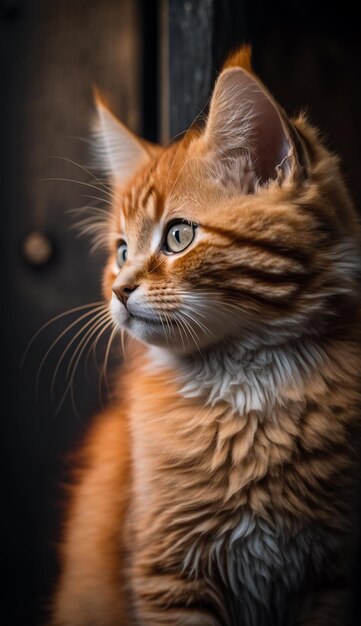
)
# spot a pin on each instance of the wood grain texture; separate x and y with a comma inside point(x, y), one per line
point(52, 53)
point(188, 76)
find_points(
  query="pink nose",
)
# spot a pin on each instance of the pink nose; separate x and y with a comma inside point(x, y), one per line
point(123, 292)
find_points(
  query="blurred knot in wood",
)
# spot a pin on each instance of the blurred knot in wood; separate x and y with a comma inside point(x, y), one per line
point(38, 249)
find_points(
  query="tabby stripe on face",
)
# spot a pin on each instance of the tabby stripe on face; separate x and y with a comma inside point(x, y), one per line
point(278, 249)
point(282, 278)
point(271, 293)
point(137, 196)
point(127, 206)
point(150, 200)
point(144, 197)
point(236, 295)
point(258, 282)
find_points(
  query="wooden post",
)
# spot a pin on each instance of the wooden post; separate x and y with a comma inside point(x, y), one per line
point(196, 37)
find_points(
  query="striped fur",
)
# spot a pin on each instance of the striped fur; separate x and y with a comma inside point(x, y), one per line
point(221, 488)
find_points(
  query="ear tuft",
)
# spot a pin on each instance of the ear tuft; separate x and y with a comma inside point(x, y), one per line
point(240, 58)
point(118, 151)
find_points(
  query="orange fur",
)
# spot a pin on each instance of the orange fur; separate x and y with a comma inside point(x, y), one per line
point(92, 554)
point(207, 499)
point(241, 58)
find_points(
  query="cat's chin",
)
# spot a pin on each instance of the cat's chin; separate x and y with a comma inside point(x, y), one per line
point(161, 335)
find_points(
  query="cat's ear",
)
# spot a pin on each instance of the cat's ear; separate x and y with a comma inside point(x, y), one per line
point(244, 118)
point(118, 152)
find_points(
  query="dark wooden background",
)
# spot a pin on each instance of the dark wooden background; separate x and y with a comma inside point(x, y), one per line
point(156, 61)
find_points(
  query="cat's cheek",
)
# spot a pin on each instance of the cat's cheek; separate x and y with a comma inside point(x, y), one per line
point(118, 311)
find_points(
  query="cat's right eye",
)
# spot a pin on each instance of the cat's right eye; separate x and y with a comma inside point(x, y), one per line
point(121, 254)
point(179, 236)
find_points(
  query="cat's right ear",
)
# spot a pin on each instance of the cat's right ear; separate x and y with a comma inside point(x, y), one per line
point(118, 152)
point(244, 119)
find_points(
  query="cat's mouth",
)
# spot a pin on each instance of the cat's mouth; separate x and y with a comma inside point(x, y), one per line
point(151, 320)
point(175, 329)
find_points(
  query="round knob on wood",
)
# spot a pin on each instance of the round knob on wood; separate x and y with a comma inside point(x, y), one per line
point(37, 248)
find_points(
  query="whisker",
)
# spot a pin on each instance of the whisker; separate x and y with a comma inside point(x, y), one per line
point(96, 229)
point(164, 328)
point(54, 319)
point(91, 209)
point(187, 162)
point(78, 182)
point(94, 320)
point(184, 326)
point(93, 348)
point(192, 334)
point(92, 351)
point(91, 222)
point(100, 242)
point(87, 225)
point(103, 374)
point(96, 224)
point(91, 225)
point(95, 324)
point(168, 328)
point(56, 341)
point(156, 267)
point(202, 326)
point(82, 167)
point(103, 200)
point(81, 348)
point(181, 328)
point(122, 339)
point(180, 332)
point(70, 383)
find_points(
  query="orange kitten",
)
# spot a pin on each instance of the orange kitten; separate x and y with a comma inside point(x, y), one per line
point(221, 488)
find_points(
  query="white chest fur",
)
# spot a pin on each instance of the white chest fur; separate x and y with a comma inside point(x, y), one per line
point(248, 378)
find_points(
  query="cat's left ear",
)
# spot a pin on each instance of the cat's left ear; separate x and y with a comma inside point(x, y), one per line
point(118, 151)
point(244, 118)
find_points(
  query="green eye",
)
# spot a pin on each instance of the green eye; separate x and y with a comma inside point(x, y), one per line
point(179, 236)
point(122, 253)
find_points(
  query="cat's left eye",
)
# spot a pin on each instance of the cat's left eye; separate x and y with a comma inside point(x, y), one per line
point(121, 254)
point(179, 236)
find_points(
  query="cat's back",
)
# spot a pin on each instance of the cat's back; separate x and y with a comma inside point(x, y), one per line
point(97, 503)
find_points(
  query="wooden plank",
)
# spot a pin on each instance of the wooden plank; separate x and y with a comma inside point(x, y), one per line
point(197, 35)
point(53, 52)
point(187, 46)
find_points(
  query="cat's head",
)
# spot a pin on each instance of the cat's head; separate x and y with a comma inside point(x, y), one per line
point(241, 229)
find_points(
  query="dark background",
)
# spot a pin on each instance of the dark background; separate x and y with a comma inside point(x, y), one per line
point(156, 62)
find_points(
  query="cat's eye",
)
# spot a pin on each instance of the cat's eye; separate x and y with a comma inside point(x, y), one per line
point(121, 254)
point(179, 236)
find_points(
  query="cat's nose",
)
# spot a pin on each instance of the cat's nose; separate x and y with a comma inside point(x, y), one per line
point(123, 292)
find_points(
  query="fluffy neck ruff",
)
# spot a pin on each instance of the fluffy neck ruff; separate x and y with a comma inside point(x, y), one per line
point(246, 378)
